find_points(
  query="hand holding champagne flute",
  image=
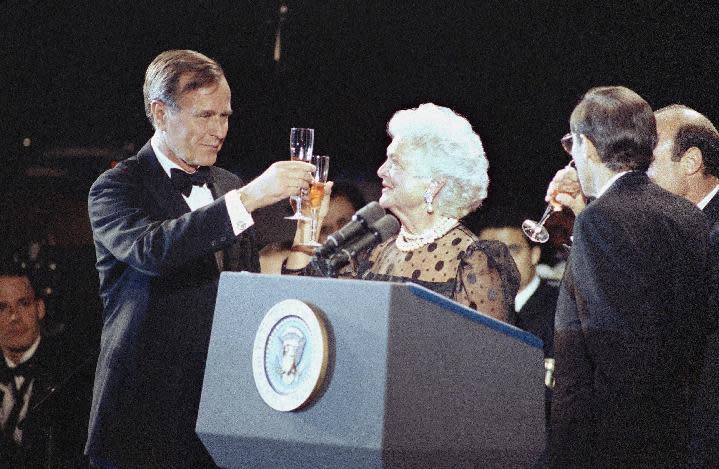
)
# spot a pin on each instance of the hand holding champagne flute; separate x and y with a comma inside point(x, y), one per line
point(563, 191)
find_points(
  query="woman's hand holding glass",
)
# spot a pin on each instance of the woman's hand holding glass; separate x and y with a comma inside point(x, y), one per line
point(319, 197)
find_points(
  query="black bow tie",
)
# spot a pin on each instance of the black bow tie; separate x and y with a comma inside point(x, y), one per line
point(183, 182)
point(25, 369)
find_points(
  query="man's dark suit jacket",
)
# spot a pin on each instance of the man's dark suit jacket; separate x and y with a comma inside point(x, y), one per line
point(630, 327)
point(711, 210)
point(158, 282)
point(705, 425)
point(55, 427)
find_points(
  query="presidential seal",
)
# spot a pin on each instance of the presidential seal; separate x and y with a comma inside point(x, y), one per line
point(289, 358)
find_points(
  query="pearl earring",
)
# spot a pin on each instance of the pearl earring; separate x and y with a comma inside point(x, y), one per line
point(429, 196)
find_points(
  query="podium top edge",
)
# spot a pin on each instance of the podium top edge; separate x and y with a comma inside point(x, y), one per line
point(435, 298)
point(488, 321)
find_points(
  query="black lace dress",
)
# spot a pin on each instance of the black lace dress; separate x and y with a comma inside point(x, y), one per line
point(478, 274)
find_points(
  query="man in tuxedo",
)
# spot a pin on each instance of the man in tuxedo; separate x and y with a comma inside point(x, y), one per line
point(536, 299)
point(632, 310)
point(44, 389)
point(165, 223)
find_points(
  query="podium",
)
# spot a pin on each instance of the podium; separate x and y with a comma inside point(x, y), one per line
point(411, 379)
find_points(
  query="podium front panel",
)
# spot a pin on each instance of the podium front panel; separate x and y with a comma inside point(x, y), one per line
point(413, 379)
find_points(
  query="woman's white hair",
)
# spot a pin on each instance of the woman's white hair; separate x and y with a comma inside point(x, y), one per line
point(449, 150)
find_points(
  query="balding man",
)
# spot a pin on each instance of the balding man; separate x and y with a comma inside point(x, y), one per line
point(686, 158)
point(686, 162)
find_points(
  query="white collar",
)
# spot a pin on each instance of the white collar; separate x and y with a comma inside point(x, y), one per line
point(526, 293)
point(705, 201)
point(166, 163)
point(609, 183)
point(25, 356)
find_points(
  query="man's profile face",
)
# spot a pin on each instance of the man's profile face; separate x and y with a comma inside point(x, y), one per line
point(663, 171)
point(20, 314)
point(525, 256)
point(195, 131)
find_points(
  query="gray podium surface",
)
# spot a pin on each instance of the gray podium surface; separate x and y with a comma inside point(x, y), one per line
point(414, 380)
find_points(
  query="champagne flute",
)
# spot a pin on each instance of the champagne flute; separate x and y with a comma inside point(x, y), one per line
point(535, 230)
point(317, 193)
point(301, 144)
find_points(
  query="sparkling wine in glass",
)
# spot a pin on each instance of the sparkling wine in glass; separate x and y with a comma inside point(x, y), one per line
point(317, 193)
point(301, 144)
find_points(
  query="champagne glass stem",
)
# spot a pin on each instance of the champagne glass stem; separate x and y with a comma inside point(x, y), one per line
point(547, 212)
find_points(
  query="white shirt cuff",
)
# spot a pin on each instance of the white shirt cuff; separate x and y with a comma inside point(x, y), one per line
point(239, 216)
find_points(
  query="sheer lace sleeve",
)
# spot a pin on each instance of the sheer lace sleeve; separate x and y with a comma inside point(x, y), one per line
point(488, 280)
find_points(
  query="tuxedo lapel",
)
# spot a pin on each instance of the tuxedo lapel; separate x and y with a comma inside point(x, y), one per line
point(159, 185)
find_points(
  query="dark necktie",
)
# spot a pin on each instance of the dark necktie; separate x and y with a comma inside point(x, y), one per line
point(183, 182)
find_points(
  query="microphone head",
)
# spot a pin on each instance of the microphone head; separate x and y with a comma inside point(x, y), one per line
point(360, 223)
point(370, 213)
point(386, 227)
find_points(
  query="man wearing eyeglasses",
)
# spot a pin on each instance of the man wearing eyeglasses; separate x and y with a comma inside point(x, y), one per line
point(632, 306)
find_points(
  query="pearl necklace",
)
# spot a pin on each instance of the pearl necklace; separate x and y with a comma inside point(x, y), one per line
point(406, 241)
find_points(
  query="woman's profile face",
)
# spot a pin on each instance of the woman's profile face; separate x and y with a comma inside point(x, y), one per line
point(403, 183)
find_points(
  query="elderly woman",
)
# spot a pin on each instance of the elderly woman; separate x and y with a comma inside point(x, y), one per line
point(435, 174)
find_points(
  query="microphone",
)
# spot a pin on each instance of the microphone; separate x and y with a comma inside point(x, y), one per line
point(360, 223)
point(382, 230)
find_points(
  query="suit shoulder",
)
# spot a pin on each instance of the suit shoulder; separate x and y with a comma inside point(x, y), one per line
point(125, 170)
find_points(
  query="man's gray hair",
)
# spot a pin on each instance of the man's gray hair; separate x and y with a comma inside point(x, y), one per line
point(163, 77)
point(449, 150)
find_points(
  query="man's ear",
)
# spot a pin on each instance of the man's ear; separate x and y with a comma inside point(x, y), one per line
point(692, 161)
point(535, 252)
point(40, 303)
point(159, 111)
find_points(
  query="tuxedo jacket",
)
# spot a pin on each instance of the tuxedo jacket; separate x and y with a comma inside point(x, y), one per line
point(630, 326)
point(55, 427)
point(158, 283)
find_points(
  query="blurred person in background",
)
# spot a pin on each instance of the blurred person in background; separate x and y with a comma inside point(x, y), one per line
point(345, 199)
point(45, 389)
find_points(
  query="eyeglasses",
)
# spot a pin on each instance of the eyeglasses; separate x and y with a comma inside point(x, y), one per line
point(567, 143)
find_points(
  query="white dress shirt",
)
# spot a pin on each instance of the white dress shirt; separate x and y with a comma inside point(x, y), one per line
point(201, 195)
point(526, 293)
point(705, 201)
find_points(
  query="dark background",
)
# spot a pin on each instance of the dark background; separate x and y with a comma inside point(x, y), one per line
point(72, 74)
